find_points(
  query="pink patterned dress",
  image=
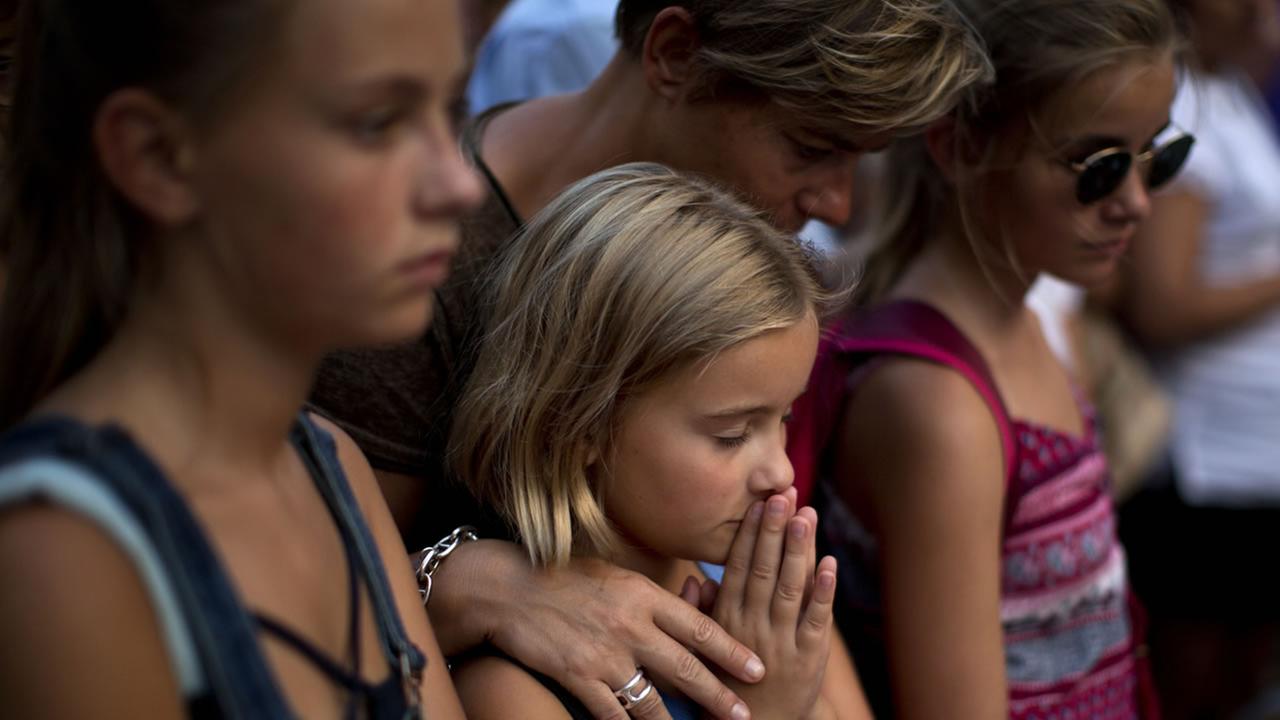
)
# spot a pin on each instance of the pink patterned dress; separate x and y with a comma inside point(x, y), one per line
point(1065, 604)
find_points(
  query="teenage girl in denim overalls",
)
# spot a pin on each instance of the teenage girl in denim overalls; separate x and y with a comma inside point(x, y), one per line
point(201, 200)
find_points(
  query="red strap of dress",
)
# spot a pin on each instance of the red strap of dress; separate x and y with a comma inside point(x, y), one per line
point(904, 328)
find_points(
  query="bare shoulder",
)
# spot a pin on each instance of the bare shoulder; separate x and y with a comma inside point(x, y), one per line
point(919, 432)
point(354, 464)
point(494, 687)
point(80, 635)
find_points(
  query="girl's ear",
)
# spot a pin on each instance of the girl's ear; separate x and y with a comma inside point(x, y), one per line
point(668, 53)
point(145, 150)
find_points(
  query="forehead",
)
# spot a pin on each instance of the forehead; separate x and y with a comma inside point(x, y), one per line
point(1128, 102)
point(765, 116)
point(344, 38)
point(768, 370)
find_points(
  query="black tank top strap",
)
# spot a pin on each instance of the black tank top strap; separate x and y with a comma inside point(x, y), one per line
point(397, 697)
point(360, 691)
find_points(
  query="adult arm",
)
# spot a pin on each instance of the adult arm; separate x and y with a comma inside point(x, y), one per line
point(1168, 301)
point(587, 626)
point(79, 635)
point(927, 455)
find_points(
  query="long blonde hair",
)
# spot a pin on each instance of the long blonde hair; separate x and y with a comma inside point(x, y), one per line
point(629, 274)
point(1040, 49)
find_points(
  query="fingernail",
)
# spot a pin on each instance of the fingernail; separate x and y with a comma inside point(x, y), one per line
point(777, 506)
point(799, 529)
point(826, 581)
point(756, 511)
point(755, 670)
point(740, 712)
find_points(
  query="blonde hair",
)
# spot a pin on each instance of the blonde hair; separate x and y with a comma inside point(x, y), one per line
point(1041, 49)
point(881, 65)
point(628, 275)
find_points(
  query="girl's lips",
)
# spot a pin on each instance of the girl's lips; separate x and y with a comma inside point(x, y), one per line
point(429, 269)
point(1114, 246)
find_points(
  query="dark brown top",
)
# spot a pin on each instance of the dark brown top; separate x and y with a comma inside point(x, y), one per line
point(397, 402)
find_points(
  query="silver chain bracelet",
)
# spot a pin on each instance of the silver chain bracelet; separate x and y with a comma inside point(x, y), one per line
point(429, 558)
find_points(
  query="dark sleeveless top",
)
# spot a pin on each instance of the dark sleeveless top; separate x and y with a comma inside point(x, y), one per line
point(237, 680)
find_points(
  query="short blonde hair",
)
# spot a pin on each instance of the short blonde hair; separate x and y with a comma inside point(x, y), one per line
point(630, 274)
point(870, 65)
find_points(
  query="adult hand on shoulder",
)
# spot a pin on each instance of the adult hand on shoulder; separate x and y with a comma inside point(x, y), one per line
point(588, 626)
point(772, 599)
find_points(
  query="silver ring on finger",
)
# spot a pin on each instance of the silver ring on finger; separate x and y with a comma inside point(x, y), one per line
point(636, 690)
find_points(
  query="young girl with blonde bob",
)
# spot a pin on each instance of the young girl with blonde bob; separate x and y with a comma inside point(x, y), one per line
point(647, 338)
point(775, 99)
point(961, 482)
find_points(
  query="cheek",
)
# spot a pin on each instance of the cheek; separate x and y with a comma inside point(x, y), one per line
point(670, 480)
point(1041, 211)
point(350, 201)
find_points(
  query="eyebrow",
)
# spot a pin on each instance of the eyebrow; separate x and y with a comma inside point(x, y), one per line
point(844, 144)
point(741, 411)
point(1106, 141)
point(402, 87)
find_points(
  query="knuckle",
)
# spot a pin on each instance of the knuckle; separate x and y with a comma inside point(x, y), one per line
point(650, 707)
point(817, 622)
point(762, 572)
point(790, 592)
point(737, 657)
point(621, 628)
point(704, 630)
point(724, 700)
point(688, 669)
point(588, 664)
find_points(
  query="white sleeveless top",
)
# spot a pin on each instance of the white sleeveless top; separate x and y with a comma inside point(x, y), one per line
point(1226, 389)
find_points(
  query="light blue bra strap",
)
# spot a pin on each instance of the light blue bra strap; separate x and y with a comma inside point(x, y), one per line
point(71, 487)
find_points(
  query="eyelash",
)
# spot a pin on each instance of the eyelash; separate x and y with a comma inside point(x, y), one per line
point(373, 127)
point(738, 441)
point(809, 153)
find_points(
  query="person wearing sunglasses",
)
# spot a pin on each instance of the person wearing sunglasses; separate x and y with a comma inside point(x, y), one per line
point(1202, 294)
point(959, 477)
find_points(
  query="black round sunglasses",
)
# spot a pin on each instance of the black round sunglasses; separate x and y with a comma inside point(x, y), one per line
point(1102, 172)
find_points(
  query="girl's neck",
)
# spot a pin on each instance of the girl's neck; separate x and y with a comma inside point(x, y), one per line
point(199, 384)
point(984, 300)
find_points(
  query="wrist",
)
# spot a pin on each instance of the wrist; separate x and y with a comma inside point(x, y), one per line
point(464, 590)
